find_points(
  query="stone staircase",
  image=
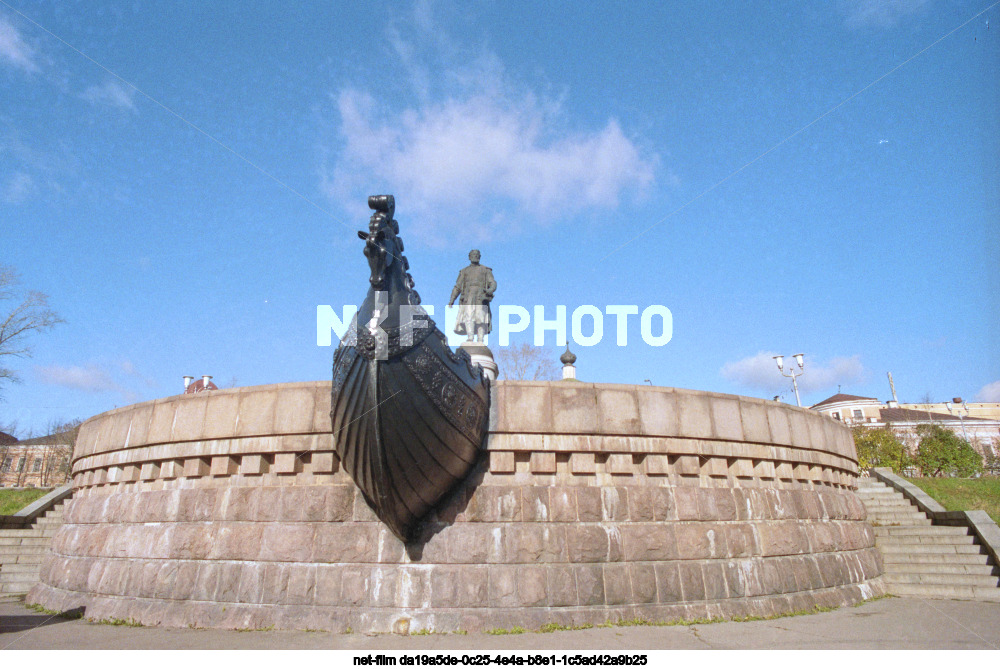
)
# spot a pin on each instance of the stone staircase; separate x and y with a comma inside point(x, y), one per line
point(22, 552)
point(925, 560)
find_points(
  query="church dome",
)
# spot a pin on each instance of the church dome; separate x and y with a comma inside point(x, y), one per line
point(567, 358)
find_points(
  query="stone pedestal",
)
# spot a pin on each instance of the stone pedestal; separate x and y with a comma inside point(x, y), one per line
point(481, 355)
point(590, 502)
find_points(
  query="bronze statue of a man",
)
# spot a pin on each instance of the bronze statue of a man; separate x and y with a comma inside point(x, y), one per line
point(476, 285)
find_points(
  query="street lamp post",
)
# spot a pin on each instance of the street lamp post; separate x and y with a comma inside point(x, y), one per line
point(956, 410)
point(791, 372)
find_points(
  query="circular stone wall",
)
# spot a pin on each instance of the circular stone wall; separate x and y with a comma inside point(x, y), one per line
point(591, 502)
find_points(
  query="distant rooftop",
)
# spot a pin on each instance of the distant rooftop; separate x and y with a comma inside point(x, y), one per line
point(199, 385)
point(7, 439)
point(901, 415)
point(841, 397)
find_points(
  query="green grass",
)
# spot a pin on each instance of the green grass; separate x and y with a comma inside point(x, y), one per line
point(12, 501)
point(500, 631)
point(874, 599)
point(556, 627)
point(116, 622)
point(269, 628)
point(69, 615)
point(964, 494)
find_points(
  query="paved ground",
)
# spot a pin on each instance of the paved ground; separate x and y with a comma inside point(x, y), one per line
point(884, 624)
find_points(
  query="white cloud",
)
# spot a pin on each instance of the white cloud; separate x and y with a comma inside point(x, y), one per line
point(879, 13)
point(110, 94)
point(128, 368)
point(475, 153)
point(18, 188)
point(989, 393)
point(92, 379)
point(14, 50)
point(761, 373)
point(33, 171)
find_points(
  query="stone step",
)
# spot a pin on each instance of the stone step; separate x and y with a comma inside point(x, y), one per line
point(18, 576)
point(946, 591)
point(911, 539)
point(886, 511)
point(25, 541)
point(6, 568)
point(18, 588)
point(898, 516)
point(977, 580)
point(933, 530)
point(890, 504)
point(23, 558)
point(932, 549)
point(907, 557)
point(899, 522)
point(940, 568)
point(18, 534)
point(15, 551)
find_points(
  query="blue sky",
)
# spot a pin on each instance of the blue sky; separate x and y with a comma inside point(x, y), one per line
point(184, 180)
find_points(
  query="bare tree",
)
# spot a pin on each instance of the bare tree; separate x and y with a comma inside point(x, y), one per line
point(524, 362)
point(30, 314)
point(12, 430)
point(62, 442)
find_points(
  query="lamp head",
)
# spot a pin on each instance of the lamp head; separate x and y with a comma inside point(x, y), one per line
point(798, 359)
point(778, 359)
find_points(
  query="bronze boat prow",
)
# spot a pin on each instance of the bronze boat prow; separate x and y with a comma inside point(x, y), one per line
point(409, 415)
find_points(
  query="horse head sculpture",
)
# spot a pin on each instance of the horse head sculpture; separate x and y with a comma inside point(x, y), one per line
point(384, 250)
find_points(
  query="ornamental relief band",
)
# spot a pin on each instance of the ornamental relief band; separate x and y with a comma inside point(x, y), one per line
point(453, 398)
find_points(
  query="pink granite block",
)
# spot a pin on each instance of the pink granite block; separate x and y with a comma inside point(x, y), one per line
point(189, 419)
point(618, 412)
point(294, 411)
point(324, 463)
point(656, 465)
point(287, 463)
point(150, 471)
point(196, 467)
point(171, 469)
point(582, 463)
point(502, 462)
point(542, 463)
point(224, 465)
point(574, 409)
point(619, 463)
point(256, 413)
point(726, 421)
point(220, 415)
point(253, 465)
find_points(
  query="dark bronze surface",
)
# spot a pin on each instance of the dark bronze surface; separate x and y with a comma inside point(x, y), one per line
point(408, 414)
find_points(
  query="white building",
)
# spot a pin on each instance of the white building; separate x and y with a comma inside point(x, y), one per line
point(982, 433)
